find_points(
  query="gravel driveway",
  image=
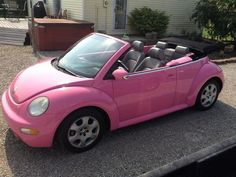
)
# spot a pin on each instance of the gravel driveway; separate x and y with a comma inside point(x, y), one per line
point(127, 152)
point(12, 60)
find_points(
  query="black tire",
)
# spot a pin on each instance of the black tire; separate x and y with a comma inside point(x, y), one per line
point(199, 102)
point(64, 131)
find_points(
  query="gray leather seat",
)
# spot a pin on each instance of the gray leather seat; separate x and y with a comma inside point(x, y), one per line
point(156, 59)
point(161, 45)
point(180, 51)
point(169, 54)
point(135, 56)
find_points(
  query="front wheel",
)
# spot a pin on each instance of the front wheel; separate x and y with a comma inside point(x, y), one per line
point(208, 95)
point(81, 130)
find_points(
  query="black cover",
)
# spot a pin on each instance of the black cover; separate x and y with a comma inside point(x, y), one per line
point(39, 10)
point(203, 47)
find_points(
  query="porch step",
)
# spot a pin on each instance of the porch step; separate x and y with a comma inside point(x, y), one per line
point(13, 33)
point(12, 38)
point(11, 42)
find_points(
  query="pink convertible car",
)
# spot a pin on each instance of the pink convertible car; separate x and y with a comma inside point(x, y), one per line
point(102, 84)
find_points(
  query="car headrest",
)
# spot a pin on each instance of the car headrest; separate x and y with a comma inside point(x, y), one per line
point(169, 52)
point(182, 50)
point(138, 46)
point(156, 53)
point(161, 45)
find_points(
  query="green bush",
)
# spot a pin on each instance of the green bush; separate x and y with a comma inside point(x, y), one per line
point(146, 20)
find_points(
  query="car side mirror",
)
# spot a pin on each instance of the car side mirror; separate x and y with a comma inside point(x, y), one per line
point(120, 74)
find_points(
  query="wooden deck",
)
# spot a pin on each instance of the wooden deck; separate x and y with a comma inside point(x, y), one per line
point(13, 31)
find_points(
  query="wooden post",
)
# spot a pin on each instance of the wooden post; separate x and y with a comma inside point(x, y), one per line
point(32, 27)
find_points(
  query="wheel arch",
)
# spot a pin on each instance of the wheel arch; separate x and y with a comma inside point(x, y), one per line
point(192, 99)
point(198, 103)
point(218, 80)
point(70, 99)
point(208, 72)
point(100, 110)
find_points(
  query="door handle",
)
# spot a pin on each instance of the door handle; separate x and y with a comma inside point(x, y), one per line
point(171, 75)
point(126, 77)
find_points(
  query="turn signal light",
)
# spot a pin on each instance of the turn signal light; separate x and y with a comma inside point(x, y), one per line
point(29, 131)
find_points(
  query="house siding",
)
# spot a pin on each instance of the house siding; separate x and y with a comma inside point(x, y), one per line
point(90, 11)
point(98, 14)
point(75, 8)
point(179, 11)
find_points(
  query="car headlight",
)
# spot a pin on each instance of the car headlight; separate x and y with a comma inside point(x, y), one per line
point(38, 106)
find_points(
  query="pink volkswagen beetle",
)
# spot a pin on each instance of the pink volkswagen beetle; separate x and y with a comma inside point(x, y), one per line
point(102, 84)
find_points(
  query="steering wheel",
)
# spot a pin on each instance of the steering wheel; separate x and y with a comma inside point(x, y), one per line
point(123, 65)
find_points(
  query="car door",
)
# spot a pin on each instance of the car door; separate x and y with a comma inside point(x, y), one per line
point(186, 74)
point(144, 92)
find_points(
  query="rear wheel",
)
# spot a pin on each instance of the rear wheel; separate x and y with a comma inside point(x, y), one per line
point(81, 130)
point(208, 95)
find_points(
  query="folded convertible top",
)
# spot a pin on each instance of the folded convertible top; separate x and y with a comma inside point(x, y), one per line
point(203, 47)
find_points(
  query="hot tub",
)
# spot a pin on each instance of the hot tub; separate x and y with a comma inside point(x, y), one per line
point(59, 34)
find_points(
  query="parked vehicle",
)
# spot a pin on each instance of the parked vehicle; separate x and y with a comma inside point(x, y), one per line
point(103, 83)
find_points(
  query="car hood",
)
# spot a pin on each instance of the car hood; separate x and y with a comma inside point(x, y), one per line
point(40, 78)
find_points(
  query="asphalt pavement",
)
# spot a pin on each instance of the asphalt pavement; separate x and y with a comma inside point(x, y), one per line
point(129, 151)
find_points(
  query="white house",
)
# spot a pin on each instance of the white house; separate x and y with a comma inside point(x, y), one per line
point(111, 15)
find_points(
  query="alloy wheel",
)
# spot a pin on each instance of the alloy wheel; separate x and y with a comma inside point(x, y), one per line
point(83, 132)
point(209, 95)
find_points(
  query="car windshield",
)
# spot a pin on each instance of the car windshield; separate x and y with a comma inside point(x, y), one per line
point(89, 55)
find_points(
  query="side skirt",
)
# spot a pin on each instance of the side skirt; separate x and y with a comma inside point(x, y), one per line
point(152, 115)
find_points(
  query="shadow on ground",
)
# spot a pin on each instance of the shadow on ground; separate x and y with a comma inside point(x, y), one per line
point(129, 151)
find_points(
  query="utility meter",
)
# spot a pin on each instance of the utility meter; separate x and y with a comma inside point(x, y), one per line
point(105, 3)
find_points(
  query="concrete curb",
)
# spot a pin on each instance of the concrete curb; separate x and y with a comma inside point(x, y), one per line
point(224, 61)
point(206, 153)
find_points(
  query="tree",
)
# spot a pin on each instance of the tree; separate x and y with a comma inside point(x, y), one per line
point(218, 17)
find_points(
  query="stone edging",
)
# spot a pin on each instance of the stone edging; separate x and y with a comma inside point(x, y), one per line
point(224, 61)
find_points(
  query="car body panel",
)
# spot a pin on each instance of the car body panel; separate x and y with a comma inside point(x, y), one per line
point(139, 97)
point(63, 101)
point(45, 78)
point(142, 92)
point(17, 120)
point(185, 76)
point(209, 70)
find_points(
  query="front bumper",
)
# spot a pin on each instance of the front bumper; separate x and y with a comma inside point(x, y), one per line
point(16, 122)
